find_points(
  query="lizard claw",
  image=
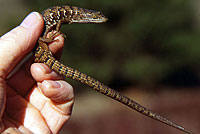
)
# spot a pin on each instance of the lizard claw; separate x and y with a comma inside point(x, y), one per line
point(50, 38)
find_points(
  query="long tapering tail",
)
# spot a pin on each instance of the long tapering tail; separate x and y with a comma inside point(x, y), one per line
point(47, 58)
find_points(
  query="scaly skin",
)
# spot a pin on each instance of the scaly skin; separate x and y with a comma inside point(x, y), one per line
point(56, 16)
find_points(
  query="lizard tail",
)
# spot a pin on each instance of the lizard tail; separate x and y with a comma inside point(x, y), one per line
point(47, 58)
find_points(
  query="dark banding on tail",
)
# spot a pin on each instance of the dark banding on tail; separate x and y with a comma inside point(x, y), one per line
point(47, 58)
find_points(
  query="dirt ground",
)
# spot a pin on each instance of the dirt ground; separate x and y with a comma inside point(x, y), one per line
point(95, 114)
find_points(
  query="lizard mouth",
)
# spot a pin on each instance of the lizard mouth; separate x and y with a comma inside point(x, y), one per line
point(99, 20)
point(89, 16)
point(90, 20)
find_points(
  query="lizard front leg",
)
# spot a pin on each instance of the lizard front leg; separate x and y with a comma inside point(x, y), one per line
point(52, 34)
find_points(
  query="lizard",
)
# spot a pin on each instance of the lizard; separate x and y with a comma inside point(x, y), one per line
point(53, 18)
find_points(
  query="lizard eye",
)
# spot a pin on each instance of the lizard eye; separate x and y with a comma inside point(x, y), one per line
point(78, 12)
point(94, 16)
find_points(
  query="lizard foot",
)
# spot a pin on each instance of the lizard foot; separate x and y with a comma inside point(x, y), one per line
point(51, 37)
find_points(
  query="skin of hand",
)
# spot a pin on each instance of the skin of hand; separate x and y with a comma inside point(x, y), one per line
point(35, 99)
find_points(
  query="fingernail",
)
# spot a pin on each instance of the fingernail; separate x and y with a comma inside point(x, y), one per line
point(53, 84)
point(31, 20)
point(44, 69)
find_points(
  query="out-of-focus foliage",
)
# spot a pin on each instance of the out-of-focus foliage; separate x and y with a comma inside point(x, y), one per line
point(146, 42)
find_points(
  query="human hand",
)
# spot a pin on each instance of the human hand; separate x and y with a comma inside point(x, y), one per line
point(35, 99)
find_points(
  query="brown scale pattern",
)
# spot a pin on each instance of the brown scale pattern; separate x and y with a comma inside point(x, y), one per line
point(53, 18)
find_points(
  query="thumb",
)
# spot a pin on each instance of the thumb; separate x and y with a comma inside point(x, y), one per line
point(15, 44)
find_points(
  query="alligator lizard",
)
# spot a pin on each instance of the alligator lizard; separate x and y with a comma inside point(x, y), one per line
point(53, 18)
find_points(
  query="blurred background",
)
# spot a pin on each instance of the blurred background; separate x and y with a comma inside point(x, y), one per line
point(148, 50)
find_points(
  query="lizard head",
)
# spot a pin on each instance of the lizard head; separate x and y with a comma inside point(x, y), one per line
point(81, 15)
